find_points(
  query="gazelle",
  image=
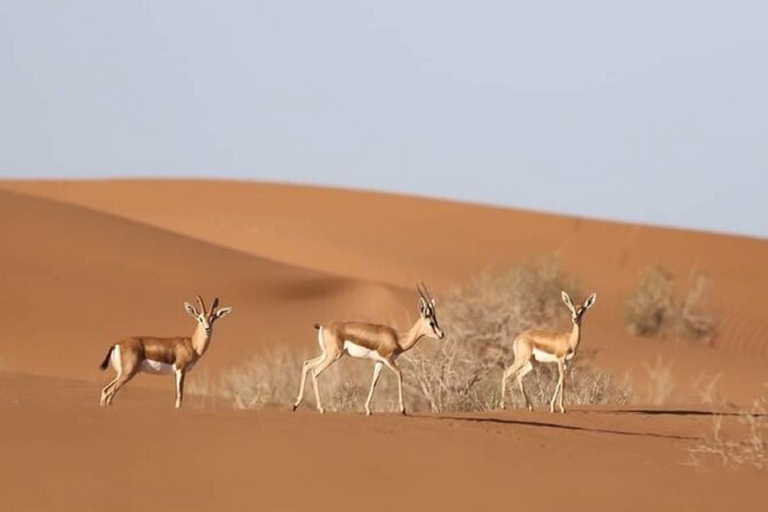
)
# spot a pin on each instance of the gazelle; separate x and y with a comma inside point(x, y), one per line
point(162, 355)
point(546, 347)
point(380, 343)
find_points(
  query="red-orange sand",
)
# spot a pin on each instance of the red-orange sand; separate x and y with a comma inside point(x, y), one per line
point(87, 263)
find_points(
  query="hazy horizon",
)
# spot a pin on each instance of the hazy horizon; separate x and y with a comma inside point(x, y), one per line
point(652, 113)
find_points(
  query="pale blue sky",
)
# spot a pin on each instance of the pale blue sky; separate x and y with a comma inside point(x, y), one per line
point(653, 111)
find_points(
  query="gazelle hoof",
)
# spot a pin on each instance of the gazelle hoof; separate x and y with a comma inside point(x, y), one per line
point(321, 410)
point(367, 412)
point(295, 406)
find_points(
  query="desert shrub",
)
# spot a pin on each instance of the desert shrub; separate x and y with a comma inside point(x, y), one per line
point(273, 377)
point(460, 373)
point(660, 383)
point(651, 306)
point(696, 320)
point(749, 448)
point(463, 373)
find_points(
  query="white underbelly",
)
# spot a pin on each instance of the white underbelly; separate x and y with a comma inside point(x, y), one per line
point(360, 352)
point(150, 366)
point(544, 357)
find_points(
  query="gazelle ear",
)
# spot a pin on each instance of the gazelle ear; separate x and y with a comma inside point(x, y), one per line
point(191, 310)
point(590, 301)
point(223, 312)
point(567, 300)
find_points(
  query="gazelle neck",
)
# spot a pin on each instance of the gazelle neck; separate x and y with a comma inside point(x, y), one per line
point(409, 338)
point(200, 339)
point(575, 337)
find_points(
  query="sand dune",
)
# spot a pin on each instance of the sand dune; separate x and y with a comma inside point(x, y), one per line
point(397, 240)
point(87, 263)
point(77, 281)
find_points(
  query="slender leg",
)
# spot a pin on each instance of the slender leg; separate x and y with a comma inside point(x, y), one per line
point(562, 390)
point(105, 392)
point(376, 371)
point(509, 372)
point(306, 367)
point(392, 366)
point(316, 371)
point(528, 368)
point(122, 381)
point(179, 387)
point(561, 375)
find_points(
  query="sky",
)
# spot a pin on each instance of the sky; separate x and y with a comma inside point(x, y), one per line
point(652, 112)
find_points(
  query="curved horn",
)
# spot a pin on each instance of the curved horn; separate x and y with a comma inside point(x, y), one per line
point(421, 293)
point(202, 305)
point(429, 295)
point(214, 305)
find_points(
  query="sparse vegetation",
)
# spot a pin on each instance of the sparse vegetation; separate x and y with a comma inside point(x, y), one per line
point(661, 383)
point(654, 310)
point(746, 449)
point(460, 373)
point(651, 306)
point(696, 320)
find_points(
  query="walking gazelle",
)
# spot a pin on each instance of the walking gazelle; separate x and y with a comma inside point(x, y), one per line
point(380, 343)
point(162, 355)
point(546, 347)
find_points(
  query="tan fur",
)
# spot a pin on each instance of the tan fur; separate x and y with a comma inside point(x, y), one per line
point(383, 341)
point(557, 346)
point(181, 353)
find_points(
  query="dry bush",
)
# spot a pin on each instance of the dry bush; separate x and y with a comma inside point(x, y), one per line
point(661, 383)
point(651, 306)
point(654, 310)
point(705, 386)
point(199, 389)
point(273, 378)
point(733, 452)
point(460, 373)
point(696, 319)
point(463, 373)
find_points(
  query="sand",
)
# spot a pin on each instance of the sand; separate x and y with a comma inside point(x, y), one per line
point(87, 263)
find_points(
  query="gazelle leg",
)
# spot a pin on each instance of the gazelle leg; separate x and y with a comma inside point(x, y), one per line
point(392, 366)
point(562, 390)
point(306, 367)
point(179, 387)
point(121, 381)
point(106, 390)
point(525, 370)
point(512, 370)
point(558, 388)
point(316, 371)
point(376, 371)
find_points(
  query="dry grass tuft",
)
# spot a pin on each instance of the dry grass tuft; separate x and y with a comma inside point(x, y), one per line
point(272, 378)
point(460, 373)
point(736, 451)
point(651, 306)
point(696, 320)
point(654, 310)
point(661, 382)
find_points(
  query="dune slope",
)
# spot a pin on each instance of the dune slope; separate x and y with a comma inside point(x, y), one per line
point(76, 281)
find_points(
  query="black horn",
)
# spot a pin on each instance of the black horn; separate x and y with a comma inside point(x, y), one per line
point(202, 305)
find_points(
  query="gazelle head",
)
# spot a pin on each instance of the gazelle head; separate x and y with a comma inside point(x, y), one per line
point(207, 318)
point(428, 312)
point(578, 313)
